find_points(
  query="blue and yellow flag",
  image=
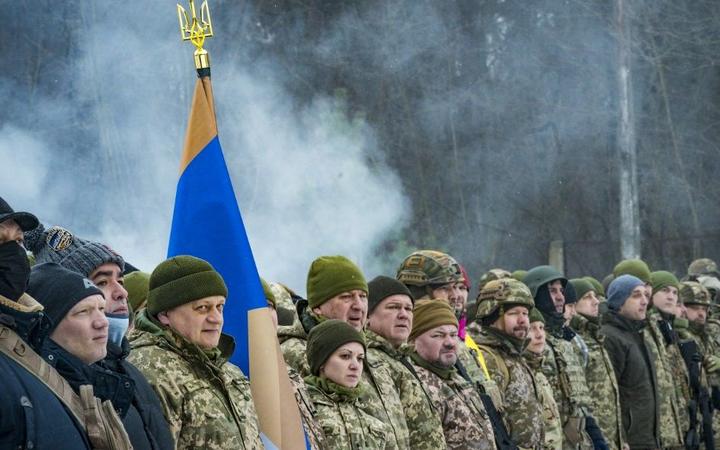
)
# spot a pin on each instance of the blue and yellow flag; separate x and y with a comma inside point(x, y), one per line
point(207, 224)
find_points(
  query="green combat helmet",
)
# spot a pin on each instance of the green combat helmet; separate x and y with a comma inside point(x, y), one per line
point(703, 266)
point(429, 267)
point(540, 275)
point(501, 295)
point(694, 293)
point(492, 274)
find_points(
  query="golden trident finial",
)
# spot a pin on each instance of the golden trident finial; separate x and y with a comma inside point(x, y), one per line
point(195, 31)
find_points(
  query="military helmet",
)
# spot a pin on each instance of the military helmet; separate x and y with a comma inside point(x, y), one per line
point(712, 284)
point(492, 274)
point(506, 293)
point(703, 266)
point(694, 293)
point(540, 275)
point(429, 267)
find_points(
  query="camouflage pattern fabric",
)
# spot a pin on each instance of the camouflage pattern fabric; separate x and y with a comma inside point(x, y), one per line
point(345, 425)
point(424, 426)
point(206, 400)
point(601, 381)
point(465, 422)
point(567, 379)
point(672, 406)
point(426, 267)
point(293, 341)
point(312, 428)
point(282, 296)
point(469, 360)
point(523, 410)
point(551, 416)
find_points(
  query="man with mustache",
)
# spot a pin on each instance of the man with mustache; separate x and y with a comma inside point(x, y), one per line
point(456, 402)
point(503, 309)
point(624, 326)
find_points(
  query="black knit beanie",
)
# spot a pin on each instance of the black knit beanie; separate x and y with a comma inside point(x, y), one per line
point(327, 337)
point(58, 290)
point(180, 280)
point(382, 287)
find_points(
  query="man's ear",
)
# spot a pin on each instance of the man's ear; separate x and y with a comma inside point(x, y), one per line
point(163, 318)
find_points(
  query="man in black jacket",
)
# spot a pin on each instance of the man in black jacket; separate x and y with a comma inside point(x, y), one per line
point(31, 415)
point(625, 322)
point(142, 414)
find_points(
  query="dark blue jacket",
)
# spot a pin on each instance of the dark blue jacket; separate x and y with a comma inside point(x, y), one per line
point(117, 380)
point(31, 416)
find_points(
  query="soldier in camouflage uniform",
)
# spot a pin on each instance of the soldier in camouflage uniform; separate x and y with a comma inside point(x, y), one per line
point(599, 372)
point(430, 274)
point(697, 302)
point(671, 371)
point(206, 399)
point(503, 310)
point(534, 355)
point(434, 334)
point(561, 366)
point(390, 317)
point(335, 354)
point(337, 289)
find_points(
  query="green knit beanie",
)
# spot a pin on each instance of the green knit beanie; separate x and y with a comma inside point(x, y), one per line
point(325, 338)
point(662, 279)
point(137, 286)
point(582, 287)
point(180, 280)
point(332, 275)
point(269, 296)
point(536, 316)
point(599, 290)
point(429, 314)
point(635, 267)
point(519, 274)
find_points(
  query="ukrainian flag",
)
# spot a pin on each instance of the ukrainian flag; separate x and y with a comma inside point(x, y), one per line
point(207, 224)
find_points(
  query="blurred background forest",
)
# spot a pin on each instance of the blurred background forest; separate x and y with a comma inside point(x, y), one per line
point(487, 129)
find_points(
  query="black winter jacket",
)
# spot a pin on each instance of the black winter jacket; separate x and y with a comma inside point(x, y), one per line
point(637, 382)
point(111, 381)
point(31, 416)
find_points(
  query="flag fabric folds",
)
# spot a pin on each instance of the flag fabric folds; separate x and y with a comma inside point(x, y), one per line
point(207, 224)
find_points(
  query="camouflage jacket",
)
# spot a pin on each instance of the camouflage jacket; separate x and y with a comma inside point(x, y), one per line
point(674, 420)
point(206, 399)
point(567, 379)
point(600, 376)
point(424, 426)
point(344, 423)
point(465, 422)
point(313, 431)
point(293, 340)
point(507, 367)
point(551, 416)
point(380, 400)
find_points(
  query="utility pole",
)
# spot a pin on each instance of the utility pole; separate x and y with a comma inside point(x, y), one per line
point(629, 206)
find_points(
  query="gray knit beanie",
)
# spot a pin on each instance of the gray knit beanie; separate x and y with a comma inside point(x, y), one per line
point(620, 289)
point(60, 246)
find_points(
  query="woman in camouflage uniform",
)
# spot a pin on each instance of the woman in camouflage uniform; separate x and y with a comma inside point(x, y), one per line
point(335, 354)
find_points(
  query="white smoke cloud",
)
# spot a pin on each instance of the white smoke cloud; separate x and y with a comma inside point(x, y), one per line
point(309, 181)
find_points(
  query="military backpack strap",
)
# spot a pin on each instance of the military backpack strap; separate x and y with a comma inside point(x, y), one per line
point(499, 362)
point(404, 361)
